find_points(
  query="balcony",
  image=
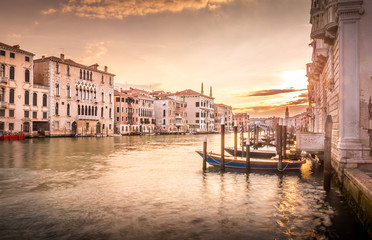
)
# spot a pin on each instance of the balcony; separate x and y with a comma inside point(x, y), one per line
point(83, 117)
point(178, 116)
point(3, 104)
point(3, 79)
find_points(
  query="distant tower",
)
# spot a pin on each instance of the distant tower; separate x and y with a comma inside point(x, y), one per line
point(286, 113)
point(210, 92)
point(202, 89)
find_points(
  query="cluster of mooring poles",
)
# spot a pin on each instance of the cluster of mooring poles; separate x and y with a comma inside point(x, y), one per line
point(244, 153)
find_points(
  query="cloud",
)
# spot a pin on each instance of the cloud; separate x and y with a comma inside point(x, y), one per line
point(93, 52)
point(269, 92)
point(14, 35)
point(119, 9)
point(48, 11)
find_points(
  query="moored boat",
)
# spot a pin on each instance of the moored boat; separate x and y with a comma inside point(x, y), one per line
point(253, 153)
point(264, 164)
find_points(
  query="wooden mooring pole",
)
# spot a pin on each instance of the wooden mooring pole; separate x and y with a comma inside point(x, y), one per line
point(279, 141)
point(242, 137)
point(205, 153)
point(235, 138)
point(222, 144)
point(327, 154)
point(248, 157)
point(284, 139)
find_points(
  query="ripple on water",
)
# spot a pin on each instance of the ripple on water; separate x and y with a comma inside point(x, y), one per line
point(152, 187)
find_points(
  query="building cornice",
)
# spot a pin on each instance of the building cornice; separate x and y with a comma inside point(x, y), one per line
point(350, 9)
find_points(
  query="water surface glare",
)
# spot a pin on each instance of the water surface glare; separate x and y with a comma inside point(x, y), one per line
point(153, 187)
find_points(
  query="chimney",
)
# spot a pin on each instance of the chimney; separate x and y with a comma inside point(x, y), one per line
point(202, 89)
point(43, 57)
point(210, 93)
point(106, 69)
point(17, 46)
point(62, 56)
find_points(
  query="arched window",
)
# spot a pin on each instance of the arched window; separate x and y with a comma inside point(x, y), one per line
point(57, 110)
point(95, 112)
point(86, 110)
point(27, 75)
point(57, 89)
point(89, 111)
point(68, 109)
point(34, 99)
point(81, 74)
point(91, 76)
point(78, 109)
point(45, 99)
point(77, 91)
point(68, 89)
point(11, 73)
point(27, 98)
point(84, 74)
point(11, 96)
point(2, 70)
point(2, 94)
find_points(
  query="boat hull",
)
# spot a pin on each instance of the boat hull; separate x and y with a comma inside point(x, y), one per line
point(253, 153)
point(262, 164)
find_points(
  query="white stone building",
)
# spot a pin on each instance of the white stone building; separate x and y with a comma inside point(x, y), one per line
point(80, 97)
point(20, 105)
point(200, 110)
point(340, 78)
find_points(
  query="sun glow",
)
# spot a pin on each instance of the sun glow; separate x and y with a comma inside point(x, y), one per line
point(294, 79)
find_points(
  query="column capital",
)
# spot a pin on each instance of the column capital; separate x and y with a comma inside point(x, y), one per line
point(350, 9)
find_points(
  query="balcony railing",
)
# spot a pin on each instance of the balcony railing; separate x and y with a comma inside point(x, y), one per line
point(3, 104)
point(4, 79)
point(84, 117)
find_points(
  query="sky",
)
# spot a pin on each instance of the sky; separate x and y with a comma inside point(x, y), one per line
point(252, 52)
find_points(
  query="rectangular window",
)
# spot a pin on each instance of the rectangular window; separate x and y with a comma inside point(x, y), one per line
point(26, 114)
point(197, 104)
point(123, 99)
point(117, 109)
point(11, 113)
point(2, 112)
point(197, 115)
point(117, 99)
point(2, 53)
point(11, 126)
point(27, 59)
point(56, 125)
point(197, 121)
point(12, 55)
point(117, 119)
point(45, 115)
point(34, 114)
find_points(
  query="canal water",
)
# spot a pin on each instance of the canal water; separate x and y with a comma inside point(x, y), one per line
point(153, 187)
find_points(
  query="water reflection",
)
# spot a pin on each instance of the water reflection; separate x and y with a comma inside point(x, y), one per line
point(154, 187)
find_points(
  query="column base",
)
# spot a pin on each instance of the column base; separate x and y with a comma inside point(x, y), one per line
point(353, 154)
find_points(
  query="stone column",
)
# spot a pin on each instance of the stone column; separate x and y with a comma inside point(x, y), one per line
point(351, 149)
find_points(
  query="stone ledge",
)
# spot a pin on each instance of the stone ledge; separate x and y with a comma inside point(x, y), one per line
point(362, 179)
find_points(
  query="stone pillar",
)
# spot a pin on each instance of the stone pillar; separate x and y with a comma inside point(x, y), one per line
point(349, 144)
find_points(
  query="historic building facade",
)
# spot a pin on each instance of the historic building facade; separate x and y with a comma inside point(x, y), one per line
point(222, 111)
point(339, 78)
point(81, 98)
point(170, 113)
point(19, 103)
point(126, 113)
point(200, 110)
